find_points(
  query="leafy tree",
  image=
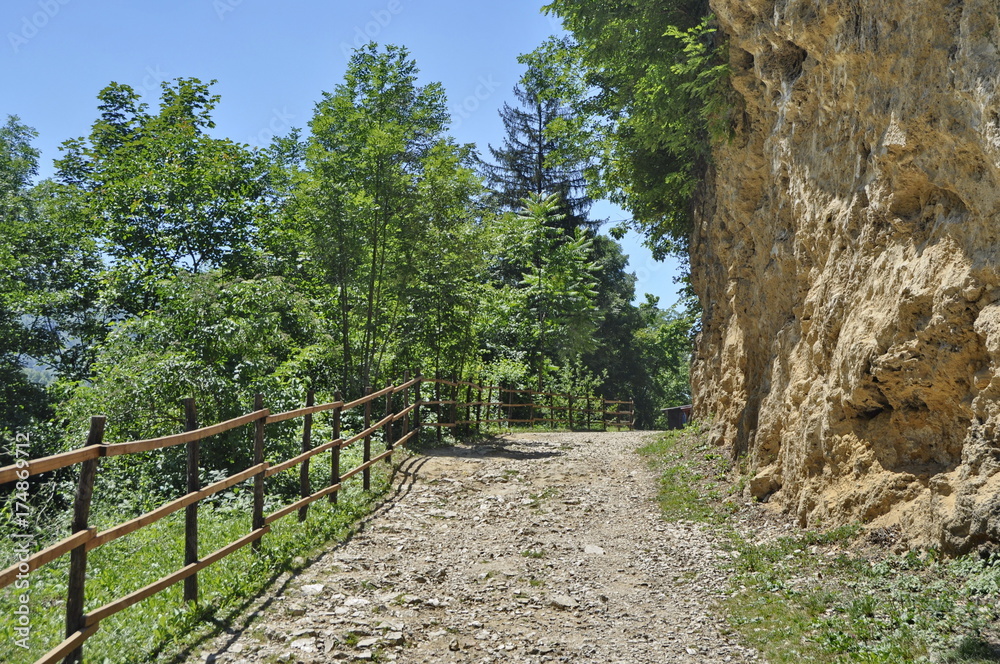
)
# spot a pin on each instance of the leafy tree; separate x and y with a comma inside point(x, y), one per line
point(165, 196)
point(536, 159)
point(18, 165)
point(47, 263)
point(442, 263)
point(662, 93)
point(363, 202)
point(665, 343)
point(217, 339)
point(559, 284)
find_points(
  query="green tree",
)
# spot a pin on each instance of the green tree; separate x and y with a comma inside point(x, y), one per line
point(536, 158)
point(165, 196)
point(215, 338)
point(660, 93)
point(559, 285)
point(363, 205)
point(47, 267)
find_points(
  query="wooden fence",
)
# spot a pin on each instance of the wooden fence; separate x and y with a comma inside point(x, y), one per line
point(509, 406)
point(400, 424)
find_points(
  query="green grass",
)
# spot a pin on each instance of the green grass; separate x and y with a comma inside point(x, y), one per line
point(832, 597)
point(163, 628)
point(690, 473)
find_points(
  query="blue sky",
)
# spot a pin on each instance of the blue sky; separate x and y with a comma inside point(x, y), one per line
point(272, 60)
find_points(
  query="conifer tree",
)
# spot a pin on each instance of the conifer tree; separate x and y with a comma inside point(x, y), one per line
point(523, 166)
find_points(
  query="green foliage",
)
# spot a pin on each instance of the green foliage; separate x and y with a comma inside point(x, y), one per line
point(47, 266)
point(538, 156)
point(215, 339)
point(656, 94)
point(559, 283)
point(382, 187)
point(165, 197)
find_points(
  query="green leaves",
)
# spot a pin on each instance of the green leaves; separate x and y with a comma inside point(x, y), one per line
point(559, 283)
point(657, 94)
point(165, 197)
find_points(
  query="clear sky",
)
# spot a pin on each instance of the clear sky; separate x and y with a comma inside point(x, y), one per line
point(272, 60)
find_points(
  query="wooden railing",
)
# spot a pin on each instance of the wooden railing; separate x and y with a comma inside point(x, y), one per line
point(401, 423)
point(509, 406)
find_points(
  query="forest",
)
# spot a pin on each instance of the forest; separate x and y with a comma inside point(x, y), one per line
point(161, 261)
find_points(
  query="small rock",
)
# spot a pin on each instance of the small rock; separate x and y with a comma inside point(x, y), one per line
point(356, 602)
point(563, 602)
point(365, 644)
point(443, 514)
point(307, 644)
point(593, 549)
point(295, 610)
point(394, 638)
point(392, 625)
point(454, 646)
point(313, 589)
point(364, 656)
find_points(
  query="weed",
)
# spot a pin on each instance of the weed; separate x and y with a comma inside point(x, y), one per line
point(533, 553)
point(812, 598)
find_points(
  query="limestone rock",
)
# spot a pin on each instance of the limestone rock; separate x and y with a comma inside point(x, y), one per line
point(846, 255)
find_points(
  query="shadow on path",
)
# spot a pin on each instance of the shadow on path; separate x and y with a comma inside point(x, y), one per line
point(236, 620)
point(496, 447)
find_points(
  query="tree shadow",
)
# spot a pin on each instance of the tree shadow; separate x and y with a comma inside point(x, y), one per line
point(495, 447)
point(236, 620)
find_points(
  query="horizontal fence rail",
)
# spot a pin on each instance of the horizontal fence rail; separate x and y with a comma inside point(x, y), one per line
point(508, 406)
point(404, 408)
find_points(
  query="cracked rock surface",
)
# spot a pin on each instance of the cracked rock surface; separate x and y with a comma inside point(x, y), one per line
point(532, 547)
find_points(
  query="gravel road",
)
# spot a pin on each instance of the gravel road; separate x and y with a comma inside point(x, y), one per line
point(529, 548)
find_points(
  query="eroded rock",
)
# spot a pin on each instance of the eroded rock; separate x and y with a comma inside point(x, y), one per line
point(846, 255)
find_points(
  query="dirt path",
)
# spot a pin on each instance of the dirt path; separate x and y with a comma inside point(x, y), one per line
point(532, 548)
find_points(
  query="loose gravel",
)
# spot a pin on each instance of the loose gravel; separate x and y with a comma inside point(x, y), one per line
point(533, 547)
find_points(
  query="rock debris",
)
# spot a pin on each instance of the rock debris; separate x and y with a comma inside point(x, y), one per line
point(529, 548)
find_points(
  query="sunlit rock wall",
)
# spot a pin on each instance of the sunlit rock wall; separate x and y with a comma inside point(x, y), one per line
point(847, 259)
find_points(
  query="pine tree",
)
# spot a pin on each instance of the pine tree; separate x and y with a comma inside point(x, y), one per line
point(523, 166)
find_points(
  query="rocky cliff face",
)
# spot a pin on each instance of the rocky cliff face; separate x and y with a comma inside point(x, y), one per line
point(847, 259)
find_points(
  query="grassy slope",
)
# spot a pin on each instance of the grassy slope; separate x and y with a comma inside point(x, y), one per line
point(835, 596)
point(162, 628)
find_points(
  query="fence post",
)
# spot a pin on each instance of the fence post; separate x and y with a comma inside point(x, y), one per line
point(440, 406)
point(552, 409)
point(570, 411)
point(510, 405)
point(405, 427)
point(468, 408)
point(258, 479)
point(335, 452)
point(489, 400)
point(367, 473)
point(191, 511)
point(388, 427)
point(589, 412)
point(604, 414)
point(419, 397)
point(455, 390)
point(76, 588)
point(304, 489)
point(479, 406)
